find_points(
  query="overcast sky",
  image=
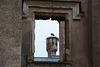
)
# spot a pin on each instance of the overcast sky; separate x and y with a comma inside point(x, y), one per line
point(43, 29)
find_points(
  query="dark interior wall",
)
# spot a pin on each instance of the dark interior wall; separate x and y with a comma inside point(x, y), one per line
point(96, 32)
point(10, 33)
point(26, 37)
point(26, 41)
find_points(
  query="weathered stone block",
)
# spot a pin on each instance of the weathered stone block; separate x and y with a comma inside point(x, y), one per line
point(10, 33)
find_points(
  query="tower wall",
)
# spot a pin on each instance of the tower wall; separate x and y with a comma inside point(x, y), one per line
point(10, 33)
point(96, 32)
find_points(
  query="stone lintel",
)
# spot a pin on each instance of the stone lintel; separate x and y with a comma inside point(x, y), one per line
point(53, 7)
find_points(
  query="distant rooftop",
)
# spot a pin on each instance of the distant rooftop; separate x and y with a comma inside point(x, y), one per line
point(53, 59)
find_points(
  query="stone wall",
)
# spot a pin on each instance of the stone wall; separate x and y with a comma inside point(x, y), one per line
point(10, 33)
point(84, 35)
point(96, 32)
point(80, 39)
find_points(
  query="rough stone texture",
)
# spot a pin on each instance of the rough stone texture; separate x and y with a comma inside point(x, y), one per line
point(10, 33)
point(62, 40)
point(96, 32)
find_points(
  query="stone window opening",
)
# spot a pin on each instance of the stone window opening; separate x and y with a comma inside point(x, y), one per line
point(63, 12)
point(63, 36)
point(53, 59)
point(43, 30)
point(62, 31)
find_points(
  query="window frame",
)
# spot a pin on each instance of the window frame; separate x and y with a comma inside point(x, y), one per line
point(62, 30)
point(69, 10)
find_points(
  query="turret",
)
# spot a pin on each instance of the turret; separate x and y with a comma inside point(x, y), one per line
point(52, 45)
